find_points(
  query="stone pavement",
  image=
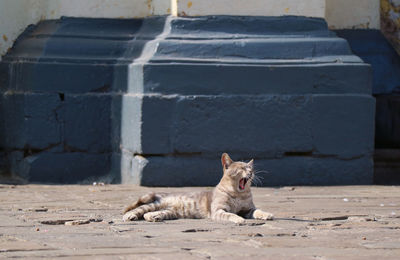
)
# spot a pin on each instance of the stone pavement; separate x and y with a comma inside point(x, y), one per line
point(78, 222)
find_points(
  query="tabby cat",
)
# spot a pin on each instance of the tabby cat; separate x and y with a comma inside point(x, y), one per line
point(231, 199)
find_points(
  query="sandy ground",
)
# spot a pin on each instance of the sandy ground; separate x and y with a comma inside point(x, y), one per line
point(79, 222)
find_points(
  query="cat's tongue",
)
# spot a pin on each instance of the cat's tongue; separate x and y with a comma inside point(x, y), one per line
point(242, 183)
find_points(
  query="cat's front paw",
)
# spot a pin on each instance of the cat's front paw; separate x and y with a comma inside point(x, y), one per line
point(259, 214)
point(267, 216)
point(130, 216)
point(237, 220)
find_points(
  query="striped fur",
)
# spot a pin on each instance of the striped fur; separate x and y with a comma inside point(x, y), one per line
point(231, 199)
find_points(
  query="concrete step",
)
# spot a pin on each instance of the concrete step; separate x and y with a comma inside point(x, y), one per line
point(184, 170)
point(265, 126)
point(187, 79)
point(250, 79)
point(285, 90)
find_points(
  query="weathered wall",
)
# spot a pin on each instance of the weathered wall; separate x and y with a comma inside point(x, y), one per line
point(352, 14)
point(76, 92)
point(156, 101)
point(387, 137)
point(390, 18)
point(311, 8)
point(107, 8)
point(15, 16)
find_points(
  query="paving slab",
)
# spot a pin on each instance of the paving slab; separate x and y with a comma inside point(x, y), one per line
point(85, 221)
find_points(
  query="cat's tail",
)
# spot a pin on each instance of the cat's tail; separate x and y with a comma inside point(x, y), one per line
point(145, 199)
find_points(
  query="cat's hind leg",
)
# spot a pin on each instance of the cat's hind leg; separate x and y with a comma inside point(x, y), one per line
point(145, 199)
point(138, 212)
point(161, 215)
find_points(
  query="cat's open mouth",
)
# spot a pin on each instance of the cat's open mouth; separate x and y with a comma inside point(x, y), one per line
point(242, 183)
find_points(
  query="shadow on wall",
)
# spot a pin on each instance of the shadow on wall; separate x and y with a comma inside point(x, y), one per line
point(375, 49)
point(62, 85)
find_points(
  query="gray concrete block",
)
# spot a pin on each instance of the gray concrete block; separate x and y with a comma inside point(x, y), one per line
point(67, 167)
point(336, 171)
point(267, 125)
point(157, 126)
point(173, 171)
point(57, 77)
point(339, 125)
point(5, 69)
point(29, 120)
point(343, 125)
point(78, 55)
point(92, 40)
point(87, 123)
point(159, 99)
point(373, 48)
point(315, 171)
point(16, 166)
point(251, 48)
point(11, 121)
point(195, 171)
point(302, 78)
point(146, 123)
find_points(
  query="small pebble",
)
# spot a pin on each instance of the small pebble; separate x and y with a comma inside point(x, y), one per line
point(255, 235)
point(41, 210)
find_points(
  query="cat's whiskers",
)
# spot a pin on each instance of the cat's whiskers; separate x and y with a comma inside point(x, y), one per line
point(256, 180)
point(262, 171)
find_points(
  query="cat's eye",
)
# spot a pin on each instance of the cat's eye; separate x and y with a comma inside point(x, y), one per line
point(235, 173)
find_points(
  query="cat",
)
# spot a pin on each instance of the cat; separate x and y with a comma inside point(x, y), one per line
point(231, 199)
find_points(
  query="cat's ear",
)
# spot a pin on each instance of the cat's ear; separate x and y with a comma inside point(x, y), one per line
point(251, 163)
point(226, 160)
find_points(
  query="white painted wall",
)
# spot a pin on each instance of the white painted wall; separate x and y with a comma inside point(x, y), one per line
point(107, 8)
point(16, 15)
point(353, 14)
point(314, 8)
